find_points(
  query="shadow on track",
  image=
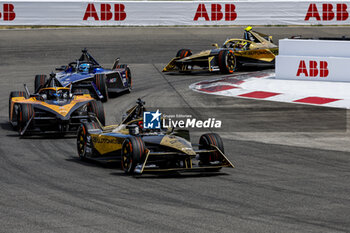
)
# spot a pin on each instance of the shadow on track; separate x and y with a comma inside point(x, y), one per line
point(172, 175)
point(94, 163)
point(6, 126)
point(209, 74)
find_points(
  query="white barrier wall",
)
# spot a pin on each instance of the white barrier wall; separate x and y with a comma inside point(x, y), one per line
point(299, 47)
point(148, 13)
point(316, 60)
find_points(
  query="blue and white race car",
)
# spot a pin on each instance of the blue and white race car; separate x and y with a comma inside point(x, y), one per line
point(87, 74)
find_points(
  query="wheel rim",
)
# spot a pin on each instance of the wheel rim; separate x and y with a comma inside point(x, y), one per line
point(126, 156)
point(81, 143)
point(230, 61)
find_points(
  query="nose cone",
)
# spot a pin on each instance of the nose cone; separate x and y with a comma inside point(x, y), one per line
point(178, 143)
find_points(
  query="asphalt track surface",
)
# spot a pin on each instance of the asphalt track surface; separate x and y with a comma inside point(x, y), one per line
point(284, 180)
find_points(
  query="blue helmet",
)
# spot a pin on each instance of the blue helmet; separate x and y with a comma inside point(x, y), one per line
point(84, 67)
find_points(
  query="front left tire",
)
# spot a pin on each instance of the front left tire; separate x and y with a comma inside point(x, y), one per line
point(133, 153)
point(24, 113)
point(13, 117)
point(226, 61)
point(83, 137)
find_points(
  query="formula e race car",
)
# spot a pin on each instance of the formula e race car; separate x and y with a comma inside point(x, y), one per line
point(51, 109)
point(256, 49)
point(87, 73)
point(143, 150)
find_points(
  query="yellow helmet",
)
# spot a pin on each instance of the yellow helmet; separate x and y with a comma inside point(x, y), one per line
point(248, 28)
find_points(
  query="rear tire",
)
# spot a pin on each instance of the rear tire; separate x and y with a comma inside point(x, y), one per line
point(128, 77)
point(15, 94)
point(96, 107)
point(183, 53)
point(40, 80)
point(205, 141)
point(100, 81)
point(226, 61)
point(24, 114)
point(133, 153)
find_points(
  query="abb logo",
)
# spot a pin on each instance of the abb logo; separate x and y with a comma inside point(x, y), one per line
point(329, 12)
point(8, 12)
point(105, 12)
point(313, 69)
point(216, 12)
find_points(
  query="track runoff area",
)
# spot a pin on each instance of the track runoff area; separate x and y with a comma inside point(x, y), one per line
point(291, 161)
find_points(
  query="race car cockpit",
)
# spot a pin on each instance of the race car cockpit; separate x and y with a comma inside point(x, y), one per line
point(133, 120)
point(55, 94)
point(237, 44)
point(85, 64)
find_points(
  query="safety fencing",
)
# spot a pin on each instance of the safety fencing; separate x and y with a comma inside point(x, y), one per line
point(168, 13)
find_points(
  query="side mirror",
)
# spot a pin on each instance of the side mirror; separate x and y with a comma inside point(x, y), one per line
point(115, 64)
point(133, 129)
point(26, 89)
point(215, 45)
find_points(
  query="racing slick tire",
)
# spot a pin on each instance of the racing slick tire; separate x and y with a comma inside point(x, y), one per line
point(40, 80)
point(226, 61)
point(96, 107)
point(15, 94)
point(100, 81)
point(24, 114)
point(205, 141)
point(183, 53)
point(183, 68)
point(133, 152)
point(128, 77)
point(82, 138)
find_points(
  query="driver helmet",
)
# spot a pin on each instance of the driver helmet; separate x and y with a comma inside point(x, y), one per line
point(57, 94)
point(84, 67)
point(242, 45)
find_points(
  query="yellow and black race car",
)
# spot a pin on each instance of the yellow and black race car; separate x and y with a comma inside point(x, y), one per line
point(255, 49)
point(51, 110)
point(143, 150)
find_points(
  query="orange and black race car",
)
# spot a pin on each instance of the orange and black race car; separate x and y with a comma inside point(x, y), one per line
point(51, 110)
point(255, 49)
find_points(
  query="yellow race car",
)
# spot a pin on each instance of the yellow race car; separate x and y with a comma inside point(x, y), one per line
point(143, 150)
point(255, 49)
point(51, 110)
